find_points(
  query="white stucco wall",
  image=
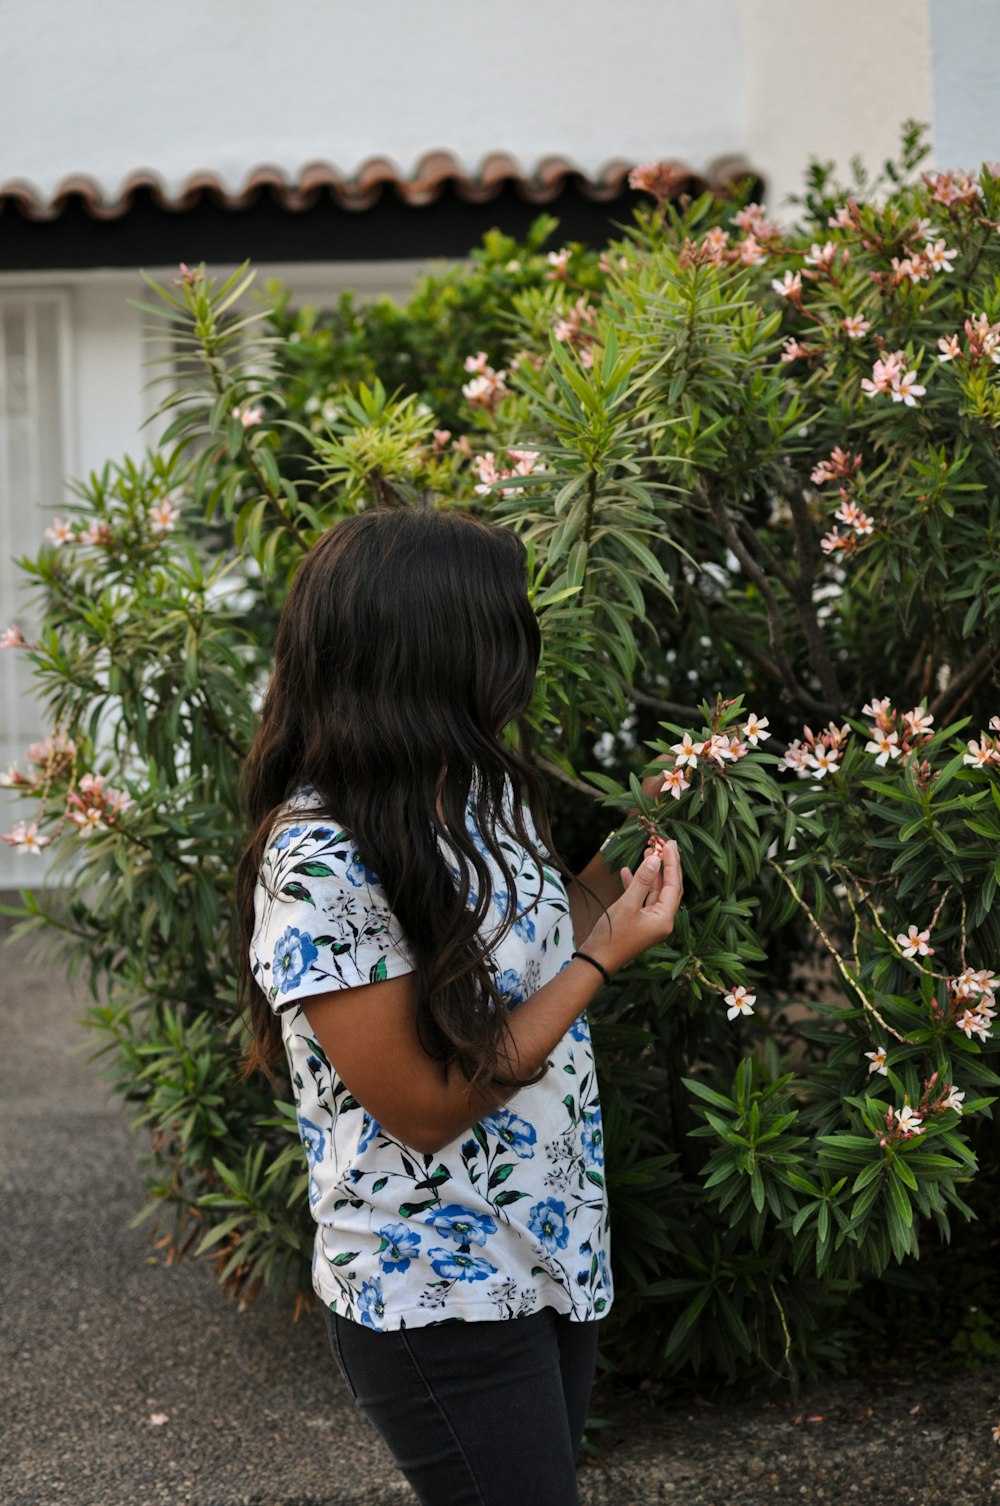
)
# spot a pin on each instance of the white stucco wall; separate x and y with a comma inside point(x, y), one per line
point(233, 84)
point(965, 57)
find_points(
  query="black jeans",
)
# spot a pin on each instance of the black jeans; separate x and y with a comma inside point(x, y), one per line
point(476, 1414)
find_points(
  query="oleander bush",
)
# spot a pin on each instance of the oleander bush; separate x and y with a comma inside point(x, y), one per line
point(757, 467)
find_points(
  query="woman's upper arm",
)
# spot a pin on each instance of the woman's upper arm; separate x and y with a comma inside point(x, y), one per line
point(369, 1036)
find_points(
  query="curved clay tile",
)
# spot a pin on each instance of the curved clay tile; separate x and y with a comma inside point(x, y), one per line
point(435, 173)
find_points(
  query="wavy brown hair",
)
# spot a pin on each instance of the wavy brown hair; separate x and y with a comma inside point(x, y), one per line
point(404, 665)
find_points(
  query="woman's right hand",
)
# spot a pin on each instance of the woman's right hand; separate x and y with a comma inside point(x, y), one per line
point(645, 913)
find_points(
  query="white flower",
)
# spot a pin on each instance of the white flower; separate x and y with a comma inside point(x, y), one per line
point(884, 744)
point(739, 1002)
point(954, 1100)
point(915, 943)
point(876, 1061)
point(687, 752)
point(753, 728)
point(789, 286)
point(909, 1122)
point(60, 532)
point(162, 516)
point(25, 837)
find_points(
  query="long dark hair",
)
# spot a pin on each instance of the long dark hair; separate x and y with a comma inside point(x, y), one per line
point(407, 647)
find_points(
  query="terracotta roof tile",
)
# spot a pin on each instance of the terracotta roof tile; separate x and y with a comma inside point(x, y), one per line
point(436, 173)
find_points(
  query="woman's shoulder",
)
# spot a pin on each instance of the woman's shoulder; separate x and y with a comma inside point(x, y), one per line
point(305, 839)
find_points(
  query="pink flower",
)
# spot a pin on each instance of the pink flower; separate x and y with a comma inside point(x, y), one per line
point(877, 1061)
point(980, 753)
point(879, 710)
point(844, 217)
point(794, 350)
point(248, 417)
point(717, 748)
point(753, 219)
point(714, 245)
point(970, 1022)
point(478, 364)
point(737, 748)
point(60, 532)
point(918, 721)
point(485, 468)
point(487, 389)
point(789, 286)
point(440, 439)
point(676, 782)
point(949, 347)
point(821, 256)
point(657, 178)
point(751, 252)
point(163, 516)
point(855, 326)
point(914, 943)
point(950, 188)
point(797, 757)
point(884, 744)
point(905, 389)
point(832, 541)
point(12, 637)
point(97, 533)
point(25, 837)
point(739, 1002)
point(753, 728)
point(884, 373)
point(558, 265)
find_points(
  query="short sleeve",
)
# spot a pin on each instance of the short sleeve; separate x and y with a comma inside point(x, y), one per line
point(321, 917)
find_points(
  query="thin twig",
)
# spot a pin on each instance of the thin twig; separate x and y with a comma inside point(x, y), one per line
point(842, 967)
point(574, 784)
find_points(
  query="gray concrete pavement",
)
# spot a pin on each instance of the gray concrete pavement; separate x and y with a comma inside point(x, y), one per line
point(98, 1337)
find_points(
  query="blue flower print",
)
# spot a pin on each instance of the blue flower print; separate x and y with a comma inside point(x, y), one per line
point(515, 1132)
point(357, 874)
point(524, 926)
point(399, 1247)
point(463, 1225)
point(287, 837)
point(603, 1273)
point(456, 1265)
point(510, 985)
point(293, 956)
point(313, 1138)
point(592, 1139)
point(371, 1303)
point(580, 1029)
point(548, 1221)
point(369, 1129)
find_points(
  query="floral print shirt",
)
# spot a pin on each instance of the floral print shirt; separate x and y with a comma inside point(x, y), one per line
point(510, 1217)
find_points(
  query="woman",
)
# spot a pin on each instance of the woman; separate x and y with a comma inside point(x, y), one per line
point(410, 942)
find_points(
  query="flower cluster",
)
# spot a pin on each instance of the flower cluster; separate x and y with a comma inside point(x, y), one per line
point(94, 805)
point(841, 466)
point(891, 378)
point(489, 473)
point(972, 1000)
point(249, 417)
point(51, 758)
point(907, 1122)
point(985, 750)
point(983, 343)
point(487, 389)
point(24, 836)
point(815, 754)
point(660, 179)
point(951, 188)
point(895, 734)
point(161, 517)
point(577, 328)
point(718, 748)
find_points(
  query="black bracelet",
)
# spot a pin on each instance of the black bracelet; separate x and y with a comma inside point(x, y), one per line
point(594, 963)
